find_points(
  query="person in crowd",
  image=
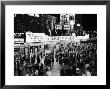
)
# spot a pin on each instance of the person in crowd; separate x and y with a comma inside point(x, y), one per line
point(40, 69)
point(74, 59)
point(48, 72)
point(88, 73)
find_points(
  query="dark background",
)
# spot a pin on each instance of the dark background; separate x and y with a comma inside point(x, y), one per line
point(88, 21)
point(24, 22)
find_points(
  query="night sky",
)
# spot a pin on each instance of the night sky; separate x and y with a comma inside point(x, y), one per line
point(88, 21)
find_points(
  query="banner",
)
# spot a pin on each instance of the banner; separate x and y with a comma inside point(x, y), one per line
point(41, 37)
point(67, 27)
point(35, 37)
point(64, 38)
point(18, 40)
point(58, 26)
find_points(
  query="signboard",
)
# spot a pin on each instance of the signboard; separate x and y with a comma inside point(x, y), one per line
point(78, 25)
point(55, 38)
point(83, 38)
point(58, 38)
point(41, 37)
point(58, 26)
point(18, 40)
point(64, 38)
point(67, 27)
point(35, 37)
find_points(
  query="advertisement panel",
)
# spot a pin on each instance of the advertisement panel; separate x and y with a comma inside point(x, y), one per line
point(35, 37)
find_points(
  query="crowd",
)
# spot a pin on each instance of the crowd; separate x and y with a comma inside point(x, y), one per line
point(74, 60)
point(78, 60)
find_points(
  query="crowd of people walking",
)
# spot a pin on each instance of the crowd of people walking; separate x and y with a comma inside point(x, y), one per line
point(74, 60)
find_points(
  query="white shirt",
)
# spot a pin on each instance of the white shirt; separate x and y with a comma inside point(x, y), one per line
point(42, 61)
point(83, 74)
point(48, 73)
point(88, 73)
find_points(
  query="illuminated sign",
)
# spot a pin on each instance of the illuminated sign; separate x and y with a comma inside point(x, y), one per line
point(58, 26)
point(35, 37)
point(55, 38)
point(41, 37)
point(78, 25)
point(64, 37)
point(18, 40)
point(67, 27)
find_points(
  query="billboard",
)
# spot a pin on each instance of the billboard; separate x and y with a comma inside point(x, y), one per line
point(67, 27)
point(18, 40)
point(34, 37)
point(58, 26)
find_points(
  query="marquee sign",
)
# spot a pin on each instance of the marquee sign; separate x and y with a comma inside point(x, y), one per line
point(18, 40)
point(41, 37)
point(58, 26)
point(35, 37)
